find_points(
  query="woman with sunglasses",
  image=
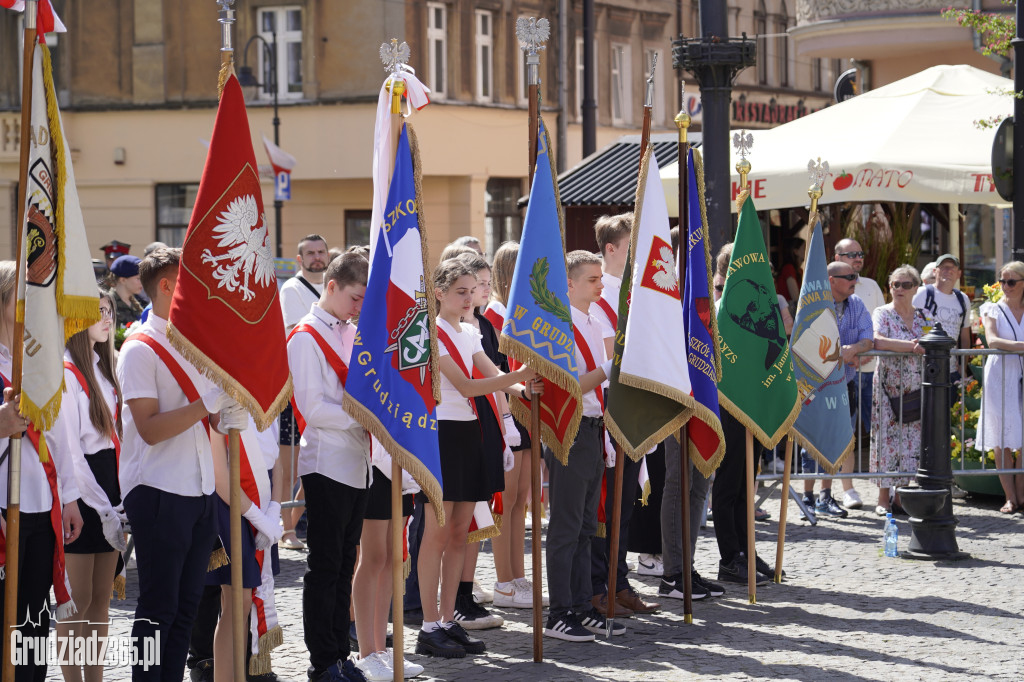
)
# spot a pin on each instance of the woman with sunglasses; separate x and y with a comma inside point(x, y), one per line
point(999, 426)
point(896, 441)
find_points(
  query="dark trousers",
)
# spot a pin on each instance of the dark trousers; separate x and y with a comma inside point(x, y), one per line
point(600, 547)
point(411, 600)
point(173, 535)
point(35, 578)
point(729, 492)
point(671, 508)
point(645, 528)
point(575, 490)
point(334, 513)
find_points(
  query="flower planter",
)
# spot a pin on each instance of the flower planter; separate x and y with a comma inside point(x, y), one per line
point(979, 373)
point(983, 485)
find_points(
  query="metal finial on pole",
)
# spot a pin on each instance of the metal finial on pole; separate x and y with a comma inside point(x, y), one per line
point(532, 33)
point(682, 118)
point(649, 96)
point(395, 56)
point(226, 17)
point(818, 172)
point(743, 141)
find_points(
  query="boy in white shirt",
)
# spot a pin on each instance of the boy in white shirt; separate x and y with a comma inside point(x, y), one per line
point(334, 464)
point(166, 473)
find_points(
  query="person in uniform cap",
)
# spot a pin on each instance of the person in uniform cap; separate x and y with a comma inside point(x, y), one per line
point(114, 250)
point(127, 287)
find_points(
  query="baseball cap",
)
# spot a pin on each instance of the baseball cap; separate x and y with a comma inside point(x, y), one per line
point(947, 256)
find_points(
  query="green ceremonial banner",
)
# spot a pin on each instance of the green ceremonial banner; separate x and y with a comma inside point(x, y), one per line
point(757, 385)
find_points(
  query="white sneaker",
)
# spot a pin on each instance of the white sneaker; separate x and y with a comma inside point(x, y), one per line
point(510, 596)
point(409, 668)
point(851, 500)
point(524, 593)
point(375, 667)
point(480, 595)
point(650, 564)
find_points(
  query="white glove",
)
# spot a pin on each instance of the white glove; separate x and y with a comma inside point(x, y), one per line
point(121, 516)
point(274, 513)
point(509, 459)
point(512, 437)
point(233, 416)
point(609, 451)
point(607, 367)
point(215, 400)
point(113, 531)
point(266, 526)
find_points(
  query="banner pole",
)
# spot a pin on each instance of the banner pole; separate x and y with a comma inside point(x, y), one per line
point(13, 533)
point(397, 577)
point(783, 508)
point(613, 538)
point(751, 550)
point(682, 121)
point(532, 34)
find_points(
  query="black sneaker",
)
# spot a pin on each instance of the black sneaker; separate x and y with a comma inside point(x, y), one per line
point(764, 569)
point(596, 623)
point(352, 673)
point(568, 627)
point(202, 671)
point(827, 505)
point(672, 587)
point(472, 616)
point(462, 638)
point(713, 589)
point(438, 643)
point(809, 502)
point(736, 571)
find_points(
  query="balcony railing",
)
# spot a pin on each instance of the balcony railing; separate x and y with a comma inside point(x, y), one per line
point(813, 11)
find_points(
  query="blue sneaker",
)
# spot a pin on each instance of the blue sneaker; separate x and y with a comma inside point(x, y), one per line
point(300, 527)
point(826, 505)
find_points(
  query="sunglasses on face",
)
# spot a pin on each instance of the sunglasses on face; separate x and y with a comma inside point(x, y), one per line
point(849, 278)
point(902, 285)
point(1010, 283)
point(852, 254)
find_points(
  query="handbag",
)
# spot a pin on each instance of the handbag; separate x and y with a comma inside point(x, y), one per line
point(911, 403)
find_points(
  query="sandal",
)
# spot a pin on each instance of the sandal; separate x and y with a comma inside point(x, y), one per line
point(1007, 508)
point(761, 515)
point(290, 543)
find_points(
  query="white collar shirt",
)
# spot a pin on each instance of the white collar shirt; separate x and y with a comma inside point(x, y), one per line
point(870, 293)
point(183, 464)
point(592, 331)
point(610, 294)
point(333, 443)
point(297, 299)
point(35, 489)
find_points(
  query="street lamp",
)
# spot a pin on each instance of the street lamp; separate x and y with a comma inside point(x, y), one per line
point(247, 79)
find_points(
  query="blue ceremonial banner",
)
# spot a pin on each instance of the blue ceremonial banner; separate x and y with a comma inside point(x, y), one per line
point(707, 443)
point(823, 426)
point(538, 326)
point(392, 387)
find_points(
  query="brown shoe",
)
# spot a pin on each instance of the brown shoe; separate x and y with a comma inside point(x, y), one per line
point(629, 599)
point(600, 603)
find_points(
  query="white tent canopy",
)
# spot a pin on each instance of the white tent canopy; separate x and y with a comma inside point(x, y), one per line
point(914, 140)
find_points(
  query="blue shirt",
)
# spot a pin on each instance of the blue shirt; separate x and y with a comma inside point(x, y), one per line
point(854, 326)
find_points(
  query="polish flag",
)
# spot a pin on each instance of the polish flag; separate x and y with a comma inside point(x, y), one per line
point(279, 158)
point(48, 21)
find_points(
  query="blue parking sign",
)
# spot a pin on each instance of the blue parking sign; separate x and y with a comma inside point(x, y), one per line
point(283, 186)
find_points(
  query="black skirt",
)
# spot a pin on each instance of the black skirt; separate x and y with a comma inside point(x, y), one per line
point(494, 446)
point(465, 475)
point(91, 541)
point(250, 567)
point(378, 505)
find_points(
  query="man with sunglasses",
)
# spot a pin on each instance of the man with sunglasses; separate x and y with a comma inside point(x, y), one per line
point(856, 336)
point(849, 251)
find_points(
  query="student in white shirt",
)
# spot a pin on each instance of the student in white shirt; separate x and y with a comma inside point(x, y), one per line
point(39, 538)
point(576, 486)
point(464, 460)
point(91, 412)
point(612, 233)
point(298, 295)
point(166, 472)
point(334, 464)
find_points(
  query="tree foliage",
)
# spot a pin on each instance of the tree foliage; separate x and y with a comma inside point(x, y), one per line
point(996, 29)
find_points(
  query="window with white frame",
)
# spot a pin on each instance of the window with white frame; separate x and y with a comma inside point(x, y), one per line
point(658, 99)
point(281, 27)
point(437, 49)
point(621, 85)
point(484, 55)
point(579, 78)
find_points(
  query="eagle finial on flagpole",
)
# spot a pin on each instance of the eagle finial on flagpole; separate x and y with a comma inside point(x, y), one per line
point(532, 33)
point(743, 141)
point(227, 48)
point(395, 57)
point(818, 172)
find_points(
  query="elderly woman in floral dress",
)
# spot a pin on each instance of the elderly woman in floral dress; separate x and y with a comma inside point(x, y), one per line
point(898, 326)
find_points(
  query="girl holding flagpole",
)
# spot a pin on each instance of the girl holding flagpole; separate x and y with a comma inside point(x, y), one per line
point(463, 460)
point(91, 416)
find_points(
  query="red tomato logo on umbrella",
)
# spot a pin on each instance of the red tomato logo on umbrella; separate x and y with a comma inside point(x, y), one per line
point(842, 181)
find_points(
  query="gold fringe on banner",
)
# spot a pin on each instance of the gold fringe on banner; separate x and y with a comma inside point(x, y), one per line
point(218, 558)
point(118, 588)
point(269, 640)
point(821, 459)
point(698, 163)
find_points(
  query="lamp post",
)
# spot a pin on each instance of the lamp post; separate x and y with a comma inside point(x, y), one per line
point(246, 79)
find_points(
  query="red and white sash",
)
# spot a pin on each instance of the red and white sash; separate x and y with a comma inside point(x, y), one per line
point(333, 359)
point(176, 370)
point(613, 316)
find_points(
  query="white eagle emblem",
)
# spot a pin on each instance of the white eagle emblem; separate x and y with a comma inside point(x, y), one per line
point(665, 277)
point(248, 254)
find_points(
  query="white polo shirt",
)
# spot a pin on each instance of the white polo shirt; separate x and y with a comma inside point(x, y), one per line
point(35, 490)
point(454, 406)
point(870, 293)
point(182, 464)
point(297, 299)
point(333, 443)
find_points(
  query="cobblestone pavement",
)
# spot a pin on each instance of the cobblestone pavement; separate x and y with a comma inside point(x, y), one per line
point(845, 612)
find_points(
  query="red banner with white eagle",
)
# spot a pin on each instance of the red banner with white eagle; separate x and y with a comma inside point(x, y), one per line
point(225, 316)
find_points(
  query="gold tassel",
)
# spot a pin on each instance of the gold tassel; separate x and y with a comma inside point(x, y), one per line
point(406, 568)
point(227, 67)
point(482, 534)
point(118, 589)
point(602, 531)
point(218, 558)
point(646, 493)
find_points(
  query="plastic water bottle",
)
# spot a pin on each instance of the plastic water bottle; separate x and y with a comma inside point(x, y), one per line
point(891, 537)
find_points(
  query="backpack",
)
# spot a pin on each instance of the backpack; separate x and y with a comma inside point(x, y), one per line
point(932, 307)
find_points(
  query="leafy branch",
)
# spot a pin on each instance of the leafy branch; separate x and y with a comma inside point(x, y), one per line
point(544, 297)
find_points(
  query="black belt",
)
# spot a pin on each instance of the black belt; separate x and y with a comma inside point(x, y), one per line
point(594, 421)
